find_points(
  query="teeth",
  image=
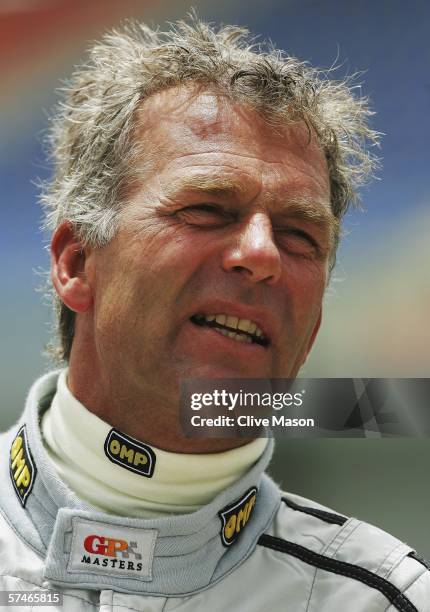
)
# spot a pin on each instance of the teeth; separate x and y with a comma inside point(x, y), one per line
point(232, 322)
point(221, 319)
point(233, 335)
point(244, 325)
point(241, 338)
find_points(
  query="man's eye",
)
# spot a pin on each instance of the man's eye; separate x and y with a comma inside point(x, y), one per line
point(205, 215)
point(297, 241)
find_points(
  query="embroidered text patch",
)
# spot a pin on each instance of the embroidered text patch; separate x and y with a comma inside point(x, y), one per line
point(106, 549)
point(22, 468)
point(129, 453)
point(236, 516)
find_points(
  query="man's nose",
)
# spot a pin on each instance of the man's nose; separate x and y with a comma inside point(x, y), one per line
point(254, 252)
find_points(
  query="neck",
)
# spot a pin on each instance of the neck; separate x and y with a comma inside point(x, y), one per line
point(150, 415)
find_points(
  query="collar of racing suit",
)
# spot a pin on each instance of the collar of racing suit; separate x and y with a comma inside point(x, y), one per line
point(169, 555)
point(75, 440)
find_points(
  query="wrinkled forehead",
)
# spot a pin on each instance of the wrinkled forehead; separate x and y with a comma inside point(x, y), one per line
point(203, 118)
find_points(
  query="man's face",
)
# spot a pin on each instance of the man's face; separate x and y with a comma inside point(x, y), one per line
point(232, 219)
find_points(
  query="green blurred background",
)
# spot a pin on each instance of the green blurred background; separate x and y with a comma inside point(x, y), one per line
point(377, 309)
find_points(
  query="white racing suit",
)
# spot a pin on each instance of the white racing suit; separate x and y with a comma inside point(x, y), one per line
point(252, 549)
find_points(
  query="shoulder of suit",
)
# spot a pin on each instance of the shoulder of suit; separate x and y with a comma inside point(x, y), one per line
point(316, 535)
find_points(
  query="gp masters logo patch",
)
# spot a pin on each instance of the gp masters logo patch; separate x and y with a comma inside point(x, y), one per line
point(129, 453)
point(113, 551)
point(104, 548)
point(21, 466)
point(236, 516)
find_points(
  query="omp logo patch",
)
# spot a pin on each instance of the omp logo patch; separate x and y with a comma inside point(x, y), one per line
point(21, 466)
point(236, 516)
point(129, 453)
point(104, 548)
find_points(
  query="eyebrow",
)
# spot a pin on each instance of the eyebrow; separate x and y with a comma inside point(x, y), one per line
point(216, 186)
point(310, 208)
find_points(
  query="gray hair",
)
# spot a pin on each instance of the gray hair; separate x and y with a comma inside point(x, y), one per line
point(91, 136)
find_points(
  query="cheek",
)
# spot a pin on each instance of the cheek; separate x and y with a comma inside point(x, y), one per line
point(180, 260)
point(306, 282)
point(142, 295)
point(113, 312)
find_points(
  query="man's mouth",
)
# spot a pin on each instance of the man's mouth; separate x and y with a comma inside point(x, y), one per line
point(241, 330)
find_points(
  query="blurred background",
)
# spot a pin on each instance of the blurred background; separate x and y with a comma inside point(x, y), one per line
point(377, 309)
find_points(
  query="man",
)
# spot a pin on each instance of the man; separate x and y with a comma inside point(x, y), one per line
point(199, 185)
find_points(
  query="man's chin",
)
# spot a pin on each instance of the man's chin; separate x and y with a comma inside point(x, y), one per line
point(203, 352)
point(221, 371)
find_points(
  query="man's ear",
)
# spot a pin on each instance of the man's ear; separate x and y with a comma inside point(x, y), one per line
point(68, 268)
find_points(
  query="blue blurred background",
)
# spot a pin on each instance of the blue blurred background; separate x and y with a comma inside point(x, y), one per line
point(377, 309)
